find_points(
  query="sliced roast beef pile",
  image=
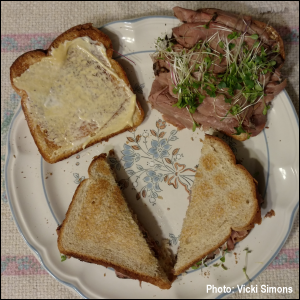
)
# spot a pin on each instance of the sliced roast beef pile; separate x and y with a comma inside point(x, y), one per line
point(214, 26)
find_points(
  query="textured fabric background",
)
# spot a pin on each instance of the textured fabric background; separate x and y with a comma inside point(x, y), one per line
point(29, 25)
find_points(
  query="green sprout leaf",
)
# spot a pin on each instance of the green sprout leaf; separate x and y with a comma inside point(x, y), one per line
point(247, 250)
point(221, 44)
point(201, 98)
point(231, 46)
point(221, 57)
point(222, 85)
point(245, 268)
point(63, 258)
point(254, 36)
point(235, 109)
point(249, 83)
point(211, 93)
point(258, 87)
point(233, 35)
point(216, 265)
point(228, 100)
point(222, 259)
point(266, 108)
point(256, 44)
point(196, 85)
point(239, 130)
point(194, 126)
point(224, 267)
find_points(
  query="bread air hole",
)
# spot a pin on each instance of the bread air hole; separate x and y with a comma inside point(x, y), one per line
point(247, 201)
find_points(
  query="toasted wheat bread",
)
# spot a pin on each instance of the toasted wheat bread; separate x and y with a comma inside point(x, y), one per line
point(100, 228)
point(50, 151)
point(223, 199)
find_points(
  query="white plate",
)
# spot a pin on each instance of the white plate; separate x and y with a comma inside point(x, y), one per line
point(39, 193)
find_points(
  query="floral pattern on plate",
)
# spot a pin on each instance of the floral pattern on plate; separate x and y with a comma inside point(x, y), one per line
point(150, 163)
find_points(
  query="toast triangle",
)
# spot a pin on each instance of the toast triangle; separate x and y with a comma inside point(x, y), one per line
point(100, 228)
point(223, 199)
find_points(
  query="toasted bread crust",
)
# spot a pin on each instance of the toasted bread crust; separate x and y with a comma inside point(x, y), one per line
point(161, 284)
point(134, 275)
point(23, 62)
point(256, 213)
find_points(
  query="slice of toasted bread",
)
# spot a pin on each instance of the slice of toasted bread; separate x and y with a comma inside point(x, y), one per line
point(49, 149)
point(223, 199)
point(100, 228)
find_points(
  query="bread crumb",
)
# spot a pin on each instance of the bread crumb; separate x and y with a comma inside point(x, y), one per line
point(168, 208)
point(192, 138)
point(47, 177)
point(201, 140)
point(104, 274)
point(14, 156)
point(270, 214)
point(50, 173)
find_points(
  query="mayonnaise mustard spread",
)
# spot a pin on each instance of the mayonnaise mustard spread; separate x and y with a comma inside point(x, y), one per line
point(74, 94)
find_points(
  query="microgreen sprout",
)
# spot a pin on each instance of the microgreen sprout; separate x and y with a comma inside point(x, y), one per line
point(224, 267)
point(246, 261)
point(199, 263)
point(242, 83)
point(63, 258)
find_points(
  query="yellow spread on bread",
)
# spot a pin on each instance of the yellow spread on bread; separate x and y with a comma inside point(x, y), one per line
point(75, 94)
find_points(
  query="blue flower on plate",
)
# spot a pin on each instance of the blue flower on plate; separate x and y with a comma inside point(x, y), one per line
point(129, 156)
point(159, 149)
point(152, 179)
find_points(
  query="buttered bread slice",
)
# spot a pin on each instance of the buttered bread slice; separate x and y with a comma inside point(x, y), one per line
point(74, 94)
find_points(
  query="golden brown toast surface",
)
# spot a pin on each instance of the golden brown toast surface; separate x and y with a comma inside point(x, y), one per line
point(99, 228)
point(223, 199)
